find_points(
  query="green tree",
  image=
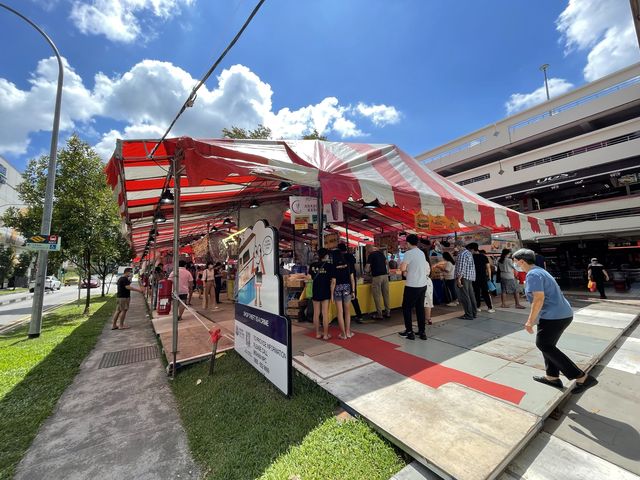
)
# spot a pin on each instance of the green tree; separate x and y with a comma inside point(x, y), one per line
point(260, 132)
point(85, 214)
point(314, 136)
point(24, 261)
point(115, 251)
point(7, 263)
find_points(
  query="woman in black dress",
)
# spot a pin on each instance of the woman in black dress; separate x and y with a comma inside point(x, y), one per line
point(321, 275)
point(598, 274)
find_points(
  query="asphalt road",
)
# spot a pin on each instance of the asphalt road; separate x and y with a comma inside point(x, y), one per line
point(19, 312)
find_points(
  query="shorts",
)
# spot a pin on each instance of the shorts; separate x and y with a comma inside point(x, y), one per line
point(508, 285)
point(183, 296)
point(428, 294)
point(123, 304)
point(342, 292)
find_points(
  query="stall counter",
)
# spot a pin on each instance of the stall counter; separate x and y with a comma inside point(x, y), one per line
point(365, 298)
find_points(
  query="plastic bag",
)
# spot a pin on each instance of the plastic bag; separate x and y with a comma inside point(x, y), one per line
point(592, 286)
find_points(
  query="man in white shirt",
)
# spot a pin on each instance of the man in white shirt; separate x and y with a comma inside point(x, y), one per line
point(414, 266)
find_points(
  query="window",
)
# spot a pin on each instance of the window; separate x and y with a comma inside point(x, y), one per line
point(3, 174)
point(479, 178)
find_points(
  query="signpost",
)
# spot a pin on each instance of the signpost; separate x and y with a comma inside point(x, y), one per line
point(263, 334)
point(51, 243)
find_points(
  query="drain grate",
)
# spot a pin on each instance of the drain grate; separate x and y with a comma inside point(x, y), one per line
point(133, 355)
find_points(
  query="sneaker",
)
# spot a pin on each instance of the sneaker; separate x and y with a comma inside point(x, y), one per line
point(387, 315)
point(452, 304)
point(464, 317)
point(491, 310)
point(423, 336)
point(358, 319)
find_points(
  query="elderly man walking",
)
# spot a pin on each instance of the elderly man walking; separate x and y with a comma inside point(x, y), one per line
point(465, 276)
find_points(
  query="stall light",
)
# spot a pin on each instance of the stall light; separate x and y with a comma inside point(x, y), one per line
point(364, 218)
point(159, 218)
point(254, 204)
point(371, 205)
point(233, 235)
point(402, 234)
point(227, 221)
point(284, 186)
point(202, 235)
point(214, 229)
point(166, 198)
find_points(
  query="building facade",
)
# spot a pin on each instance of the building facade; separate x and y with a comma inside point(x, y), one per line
point(575, 160)
point(10, 178)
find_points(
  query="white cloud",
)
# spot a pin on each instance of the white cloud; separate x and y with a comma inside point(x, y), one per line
point(605, 28)
point(146, 98)
point(522, 101)
point(118, 20)
point(380, 115)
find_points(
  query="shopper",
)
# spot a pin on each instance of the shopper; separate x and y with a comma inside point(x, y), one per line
point(507, 279)
point(208, 277)
point(377, 265)
point(393, 263)
point(217, 276)
point(599, 275)
point(192, 270)
point(321, 273)
point(449, 269)
point(414, 266)
point(185, 286)
point(343, 284)
point(465, 276)
point(123, 296)
point(553, 314)
point(483, 274)
point(351, 260)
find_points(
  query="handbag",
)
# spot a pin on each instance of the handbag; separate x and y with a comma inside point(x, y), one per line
point(592, 286)
point(491, 286)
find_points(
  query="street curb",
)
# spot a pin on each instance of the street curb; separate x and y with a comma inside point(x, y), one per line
point(18, 299)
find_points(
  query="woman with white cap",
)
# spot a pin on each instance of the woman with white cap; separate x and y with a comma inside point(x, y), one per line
point(598, 274)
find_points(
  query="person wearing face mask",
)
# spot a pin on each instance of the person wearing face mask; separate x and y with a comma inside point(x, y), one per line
point(553, 314)
point(507, 279)
point(208, 277)
point(124, 299)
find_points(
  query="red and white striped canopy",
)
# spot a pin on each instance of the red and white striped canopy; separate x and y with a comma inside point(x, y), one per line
point(219, 174)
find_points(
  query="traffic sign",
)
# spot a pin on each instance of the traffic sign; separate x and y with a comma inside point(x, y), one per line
point(44, 242)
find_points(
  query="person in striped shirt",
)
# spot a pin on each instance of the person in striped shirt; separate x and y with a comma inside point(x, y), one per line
point(465, 274)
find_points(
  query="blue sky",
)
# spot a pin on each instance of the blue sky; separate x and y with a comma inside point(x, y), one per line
point(416, 73)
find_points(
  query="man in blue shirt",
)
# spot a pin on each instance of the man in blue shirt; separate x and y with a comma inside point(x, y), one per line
point(553, 314)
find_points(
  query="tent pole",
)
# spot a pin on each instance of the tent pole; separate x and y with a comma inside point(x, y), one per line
point(320, 215)
point(176, 255)
point(346, 227)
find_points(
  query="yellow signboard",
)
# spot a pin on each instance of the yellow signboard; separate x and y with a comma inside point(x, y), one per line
point(429, 223)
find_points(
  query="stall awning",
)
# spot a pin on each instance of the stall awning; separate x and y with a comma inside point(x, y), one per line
point(218, 172)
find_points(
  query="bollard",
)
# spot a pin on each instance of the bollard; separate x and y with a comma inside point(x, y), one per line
point(215, 336)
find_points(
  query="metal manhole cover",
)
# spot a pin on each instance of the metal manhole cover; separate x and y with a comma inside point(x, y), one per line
point(133, 355)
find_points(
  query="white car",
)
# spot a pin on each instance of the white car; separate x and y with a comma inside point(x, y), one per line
point(50, 283)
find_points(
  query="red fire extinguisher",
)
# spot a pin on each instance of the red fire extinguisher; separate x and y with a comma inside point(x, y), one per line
point(164, 296)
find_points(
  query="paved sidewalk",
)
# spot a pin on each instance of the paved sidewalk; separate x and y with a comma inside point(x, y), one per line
point(114, 423)
point(462, 403)
point(14, 297)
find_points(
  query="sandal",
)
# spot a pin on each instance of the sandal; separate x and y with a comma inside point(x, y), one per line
point(124, 328)
point(318, 336)
point(114, 328)
point(342, 336)
point(521, 307)
point(327, 337)
point(351, 334)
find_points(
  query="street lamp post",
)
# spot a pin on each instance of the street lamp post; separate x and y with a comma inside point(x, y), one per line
point(43, 255)
point(546, 82)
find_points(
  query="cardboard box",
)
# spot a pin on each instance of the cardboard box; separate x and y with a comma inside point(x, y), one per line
point(295, 303)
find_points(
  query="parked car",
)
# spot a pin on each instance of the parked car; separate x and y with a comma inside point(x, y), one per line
point(50, 283)
point(93, 283)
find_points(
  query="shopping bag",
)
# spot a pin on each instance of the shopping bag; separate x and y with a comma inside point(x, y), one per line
point(491, 286)
point(592, 286)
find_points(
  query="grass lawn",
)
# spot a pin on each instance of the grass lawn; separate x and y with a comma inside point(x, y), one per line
point(240, 427)
point(7, 291)
point(34, 373)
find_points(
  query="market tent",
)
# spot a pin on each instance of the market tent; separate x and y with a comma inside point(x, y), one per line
point(221, 174)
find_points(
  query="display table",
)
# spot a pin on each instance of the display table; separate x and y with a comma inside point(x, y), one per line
point(365, 298)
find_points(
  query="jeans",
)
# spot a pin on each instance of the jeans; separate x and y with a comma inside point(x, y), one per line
point(450, 291)
point(549, 332)
point(467, 298)
point(218, 284)
point(380, 284)
point(480, 287)
point(414, 298)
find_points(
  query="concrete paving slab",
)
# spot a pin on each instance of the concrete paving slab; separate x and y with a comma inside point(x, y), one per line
point(606, 421)
point(320, 347)
point(332, 363)
point(432, 350)
point(463, 336)
point(452, 429)
point(612, 319)
point(539, 399)
point(533, 358)
point(595, 331)
point(476, 363)
point(496, 326)
point(550, 458)
point(634, 332)
point(625, 357)
point(507, 348)
point(415, 471)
